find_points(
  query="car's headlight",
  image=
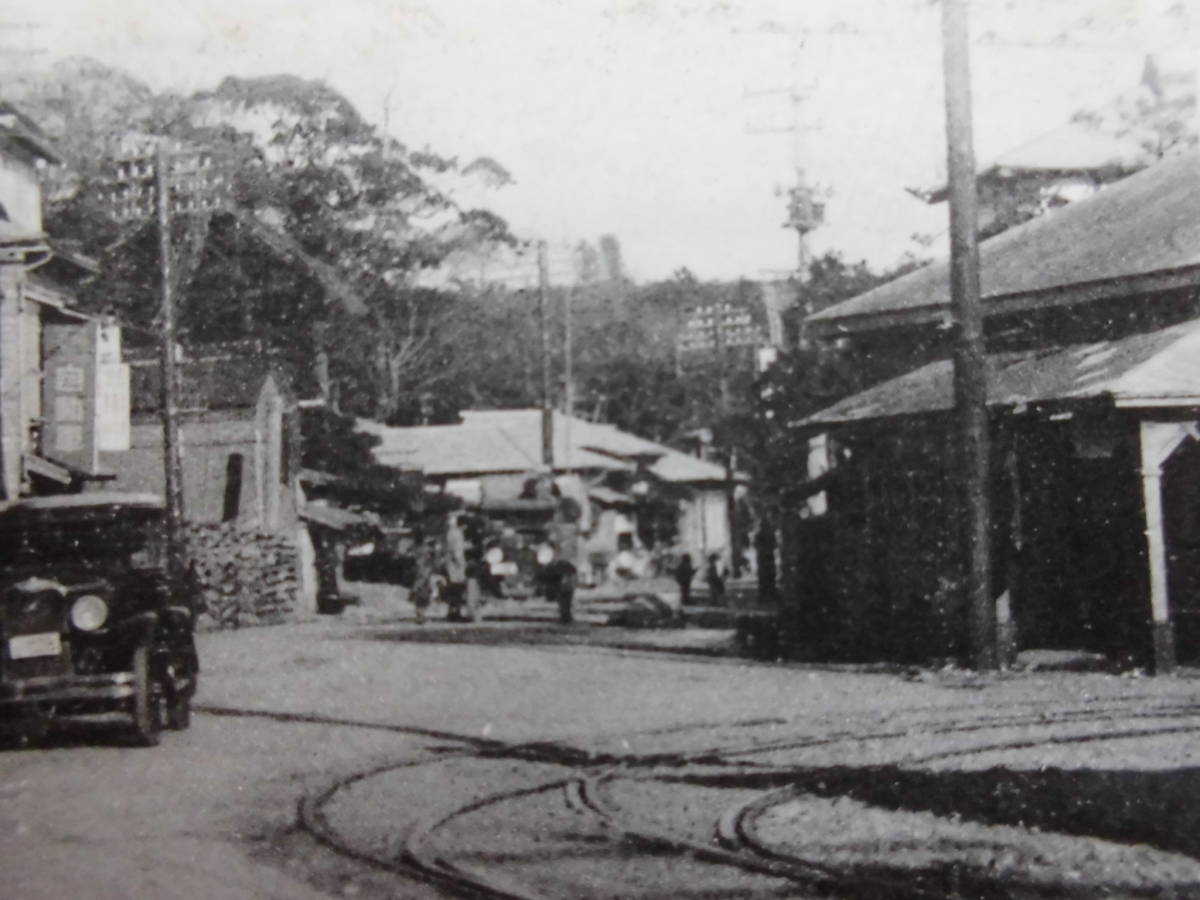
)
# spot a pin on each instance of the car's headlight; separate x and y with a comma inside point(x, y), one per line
point(89, 612)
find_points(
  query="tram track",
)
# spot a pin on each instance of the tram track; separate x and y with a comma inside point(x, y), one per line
point(435, 854)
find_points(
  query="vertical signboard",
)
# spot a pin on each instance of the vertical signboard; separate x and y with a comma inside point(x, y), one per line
point(68, 401)
point(112, 391)
point(85, 394)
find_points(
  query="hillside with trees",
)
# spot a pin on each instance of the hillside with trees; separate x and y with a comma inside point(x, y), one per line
point(317, 249)
point(323, 252)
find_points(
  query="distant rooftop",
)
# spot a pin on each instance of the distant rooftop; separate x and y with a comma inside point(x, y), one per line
point(1103, 144)
point(510, 440)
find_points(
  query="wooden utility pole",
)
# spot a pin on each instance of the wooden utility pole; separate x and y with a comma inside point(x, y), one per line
point(568, 354)
point(568, 373)
point(168, 395)
point(728, 452)
point(970, 373)
point(547, 404)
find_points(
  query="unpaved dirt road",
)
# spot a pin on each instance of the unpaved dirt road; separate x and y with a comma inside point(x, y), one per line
point(572, 752)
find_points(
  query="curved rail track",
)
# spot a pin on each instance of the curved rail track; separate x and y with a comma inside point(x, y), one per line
point(434, 850)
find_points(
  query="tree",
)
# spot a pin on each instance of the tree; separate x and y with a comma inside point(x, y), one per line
point(803, 379)
point(1160, 114)
point(313, 189)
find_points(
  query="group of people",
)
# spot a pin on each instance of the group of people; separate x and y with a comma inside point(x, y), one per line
point(445, 572)
point(442, 574)
point(714, 578)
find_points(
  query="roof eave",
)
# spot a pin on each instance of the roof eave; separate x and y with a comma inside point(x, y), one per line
point(1187, 401)
point(1002, 304)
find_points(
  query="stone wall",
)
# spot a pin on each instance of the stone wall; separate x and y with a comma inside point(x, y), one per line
point(246, 578)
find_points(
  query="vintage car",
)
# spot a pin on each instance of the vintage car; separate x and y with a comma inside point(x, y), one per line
point(91, 624)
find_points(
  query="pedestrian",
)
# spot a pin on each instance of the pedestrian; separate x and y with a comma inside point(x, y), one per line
point(559, 577)
point(474, 594)
point(685, 571)
point(764, 548)
point(714, 577)
point(456, 570)
point(424, 585)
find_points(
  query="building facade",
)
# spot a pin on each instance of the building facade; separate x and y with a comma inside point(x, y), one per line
point(237, 442)
point(1092, 320)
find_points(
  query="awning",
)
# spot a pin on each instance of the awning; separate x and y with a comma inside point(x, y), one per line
point(333, 517)
point(545, 507)
point(1158, 369)
point(610, 497)
point(35, 465)
point(60, 472)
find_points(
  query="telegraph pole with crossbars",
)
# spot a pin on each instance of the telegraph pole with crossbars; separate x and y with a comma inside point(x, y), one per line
point(157, 186)
point(168, 399)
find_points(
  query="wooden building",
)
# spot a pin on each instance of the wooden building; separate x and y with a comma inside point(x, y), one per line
point(237, 441)
point(57, 381)
point(1092, 319)
point(495, 444)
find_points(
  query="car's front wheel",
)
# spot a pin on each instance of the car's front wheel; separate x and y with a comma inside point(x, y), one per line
point(147, 700)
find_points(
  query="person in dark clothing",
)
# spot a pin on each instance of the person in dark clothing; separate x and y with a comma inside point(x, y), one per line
point(685, 571)
point(764, 549)
point(715, 579)
point(559, 580)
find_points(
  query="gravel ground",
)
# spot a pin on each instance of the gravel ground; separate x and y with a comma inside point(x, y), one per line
point(1034, 782)
point(1037, 784)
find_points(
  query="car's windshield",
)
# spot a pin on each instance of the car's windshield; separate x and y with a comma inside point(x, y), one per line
point(126, 542)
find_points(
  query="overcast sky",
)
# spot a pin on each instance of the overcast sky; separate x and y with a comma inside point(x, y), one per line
point(643, 118)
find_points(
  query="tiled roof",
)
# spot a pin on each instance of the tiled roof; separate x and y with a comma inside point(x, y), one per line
point(1160, 368)
point(510, 440)
point(1145, 224)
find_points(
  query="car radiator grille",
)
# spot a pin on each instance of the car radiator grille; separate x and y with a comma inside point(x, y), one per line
point(24, 613)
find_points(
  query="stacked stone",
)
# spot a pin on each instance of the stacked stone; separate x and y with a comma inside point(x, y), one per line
point(246, 578)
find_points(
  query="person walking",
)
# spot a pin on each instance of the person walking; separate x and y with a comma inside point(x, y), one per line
point(714, 577)
point(456, 571)
point(423, 585)
point(559, 577)
point(765, 545)
point(685, 571)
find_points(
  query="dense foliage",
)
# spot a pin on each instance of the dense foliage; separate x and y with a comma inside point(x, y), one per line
point(319, 253)
point(327, 222)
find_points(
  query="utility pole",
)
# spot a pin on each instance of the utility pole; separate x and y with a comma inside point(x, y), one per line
point(728, 451)
point(970, 373)
point(168, 400)
point(568, 354)
point(547, 405)
point(568, 374)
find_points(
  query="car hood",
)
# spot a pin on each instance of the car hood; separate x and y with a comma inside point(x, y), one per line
point(37, 578)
